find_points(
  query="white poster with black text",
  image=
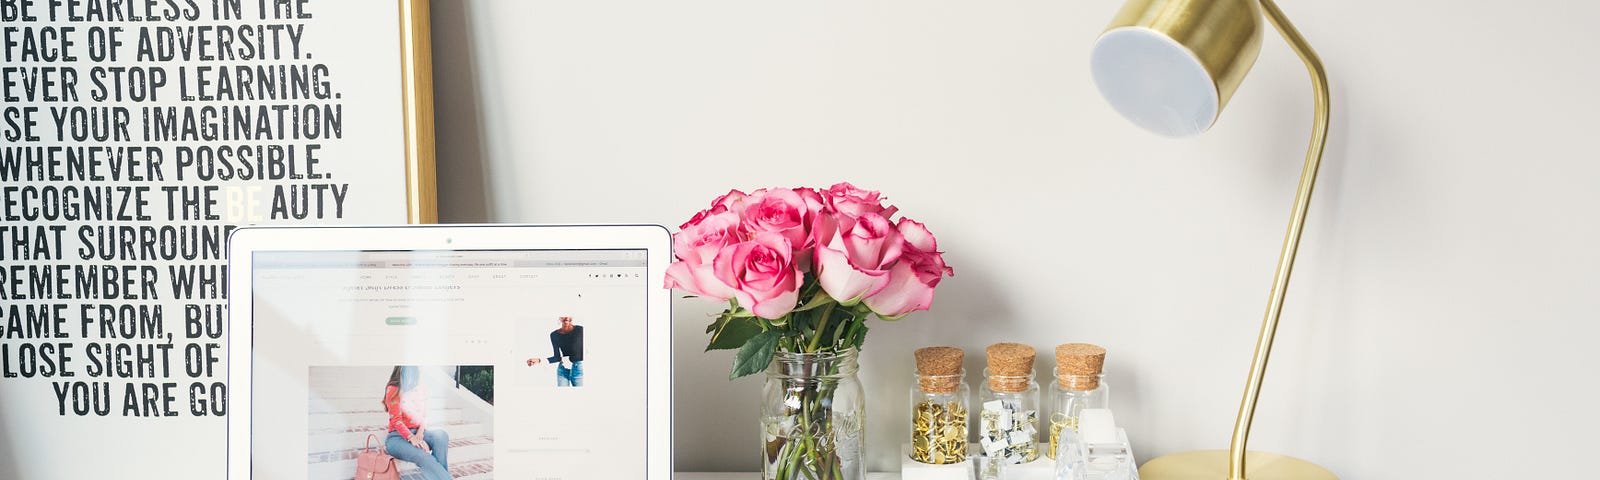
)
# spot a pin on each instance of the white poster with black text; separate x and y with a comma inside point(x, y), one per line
point(134, 136)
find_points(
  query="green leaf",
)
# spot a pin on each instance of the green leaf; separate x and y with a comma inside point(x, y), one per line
point(860, 336)
point(838, 332)
point(722, 320)
point(734, 310)
point(718, 323)
point(755, 355)
point(733, 333)
point(816, 301)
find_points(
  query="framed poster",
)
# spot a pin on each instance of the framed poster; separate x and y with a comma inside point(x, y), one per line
point(134, 136)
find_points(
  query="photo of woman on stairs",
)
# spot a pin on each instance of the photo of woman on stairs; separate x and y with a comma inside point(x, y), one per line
point(437, 421)
point(410, 440)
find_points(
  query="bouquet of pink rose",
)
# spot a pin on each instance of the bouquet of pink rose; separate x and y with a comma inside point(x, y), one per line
point(802, 268)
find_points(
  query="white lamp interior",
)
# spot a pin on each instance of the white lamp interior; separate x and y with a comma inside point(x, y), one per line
point(1155, 82)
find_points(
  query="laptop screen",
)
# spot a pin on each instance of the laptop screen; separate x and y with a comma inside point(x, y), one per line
point(460, 364)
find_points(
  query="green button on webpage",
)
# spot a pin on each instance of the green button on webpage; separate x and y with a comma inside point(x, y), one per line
point(401, 320)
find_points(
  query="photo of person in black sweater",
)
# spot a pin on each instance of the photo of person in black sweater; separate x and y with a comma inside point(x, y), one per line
point(567, 344)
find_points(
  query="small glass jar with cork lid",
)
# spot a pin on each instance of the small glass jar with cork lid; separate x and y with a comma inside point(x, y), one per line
point(1009, 421)
point(939, 404)
point(1079, 384)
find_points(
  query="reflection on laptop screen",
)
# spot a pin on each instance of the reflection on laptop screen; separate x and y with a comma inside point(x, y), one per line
point(461, 364)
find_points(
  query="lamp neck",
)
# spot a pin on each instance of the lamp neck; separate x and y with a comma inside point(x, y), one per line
point(1291, 241)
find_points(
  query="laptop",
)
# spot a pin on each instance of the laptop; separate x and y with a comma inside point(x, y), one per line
point(463, 352)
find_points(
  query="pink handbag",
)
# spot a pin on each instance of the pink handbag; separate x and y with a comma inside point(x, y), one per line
point(377, 465)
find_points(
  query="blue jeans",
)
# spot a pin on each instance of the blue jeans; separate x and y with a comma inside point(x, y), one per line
point(434, 466)
point(570, 377)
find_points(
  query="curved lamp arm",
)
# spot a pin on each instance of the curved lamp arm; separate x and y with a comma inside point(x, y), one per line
point(1291, 240)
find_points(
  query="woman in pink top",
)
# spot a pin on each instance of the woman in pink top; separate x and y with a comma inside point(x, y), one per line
point(409, 438)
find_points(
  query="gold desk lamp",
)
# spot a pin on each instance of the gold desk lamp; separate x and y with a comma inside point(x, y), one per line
point(1170, 66)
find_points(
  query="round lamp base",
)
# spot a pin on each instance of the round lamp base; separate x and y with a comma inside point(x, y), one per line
point(1213, 465)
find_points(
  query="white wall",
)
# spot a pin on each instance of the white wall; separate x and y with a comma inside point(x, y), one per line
point(1446, 296)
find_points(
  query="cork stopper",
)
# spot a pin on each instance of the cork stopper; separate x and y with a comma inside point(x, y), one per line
point(1010, 364)
point(939, 368)
point(1078, 366)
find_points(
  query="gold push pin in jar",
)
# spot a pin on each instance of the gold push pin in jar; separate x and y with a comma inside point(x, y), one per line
point(1079, 385)
point(1009, 426)
point(939, 400)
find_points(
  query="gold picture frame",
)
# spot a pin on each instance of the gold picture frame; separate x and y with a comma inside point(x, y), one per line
point(416, 64)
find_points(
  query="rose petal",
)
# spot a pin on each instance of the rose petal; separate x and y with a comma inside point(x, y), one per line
point(903, 293)
point(698, 281)
point(845, 282)
point(917, 235)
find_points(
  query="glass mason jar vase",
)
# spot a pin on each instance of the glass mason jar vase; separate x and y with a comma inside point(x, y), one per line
point(813, 413)
point(1009, 420)
point(1069, 396)
point(939, 406)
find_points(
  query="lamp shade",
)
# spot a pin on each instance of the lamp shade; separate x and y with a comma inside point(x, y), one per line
point(1170, 66)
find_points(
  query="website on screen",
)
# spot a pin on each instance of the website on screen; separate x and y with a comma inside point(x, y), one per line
point(457, 364)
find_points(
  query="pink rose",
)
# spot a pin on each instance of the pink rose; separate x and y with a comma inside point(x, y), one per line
point(782, 211)
point(721, 204)
point(845, 198)
point(729, 201)
point(853, 255)
point(697, 218)
point(700, 242)
point(911, 281)
point(696, 246)
point(762, 273)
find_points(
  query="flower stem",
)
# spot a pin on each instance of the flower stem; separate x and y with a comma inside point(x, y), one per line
point(816, 338)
